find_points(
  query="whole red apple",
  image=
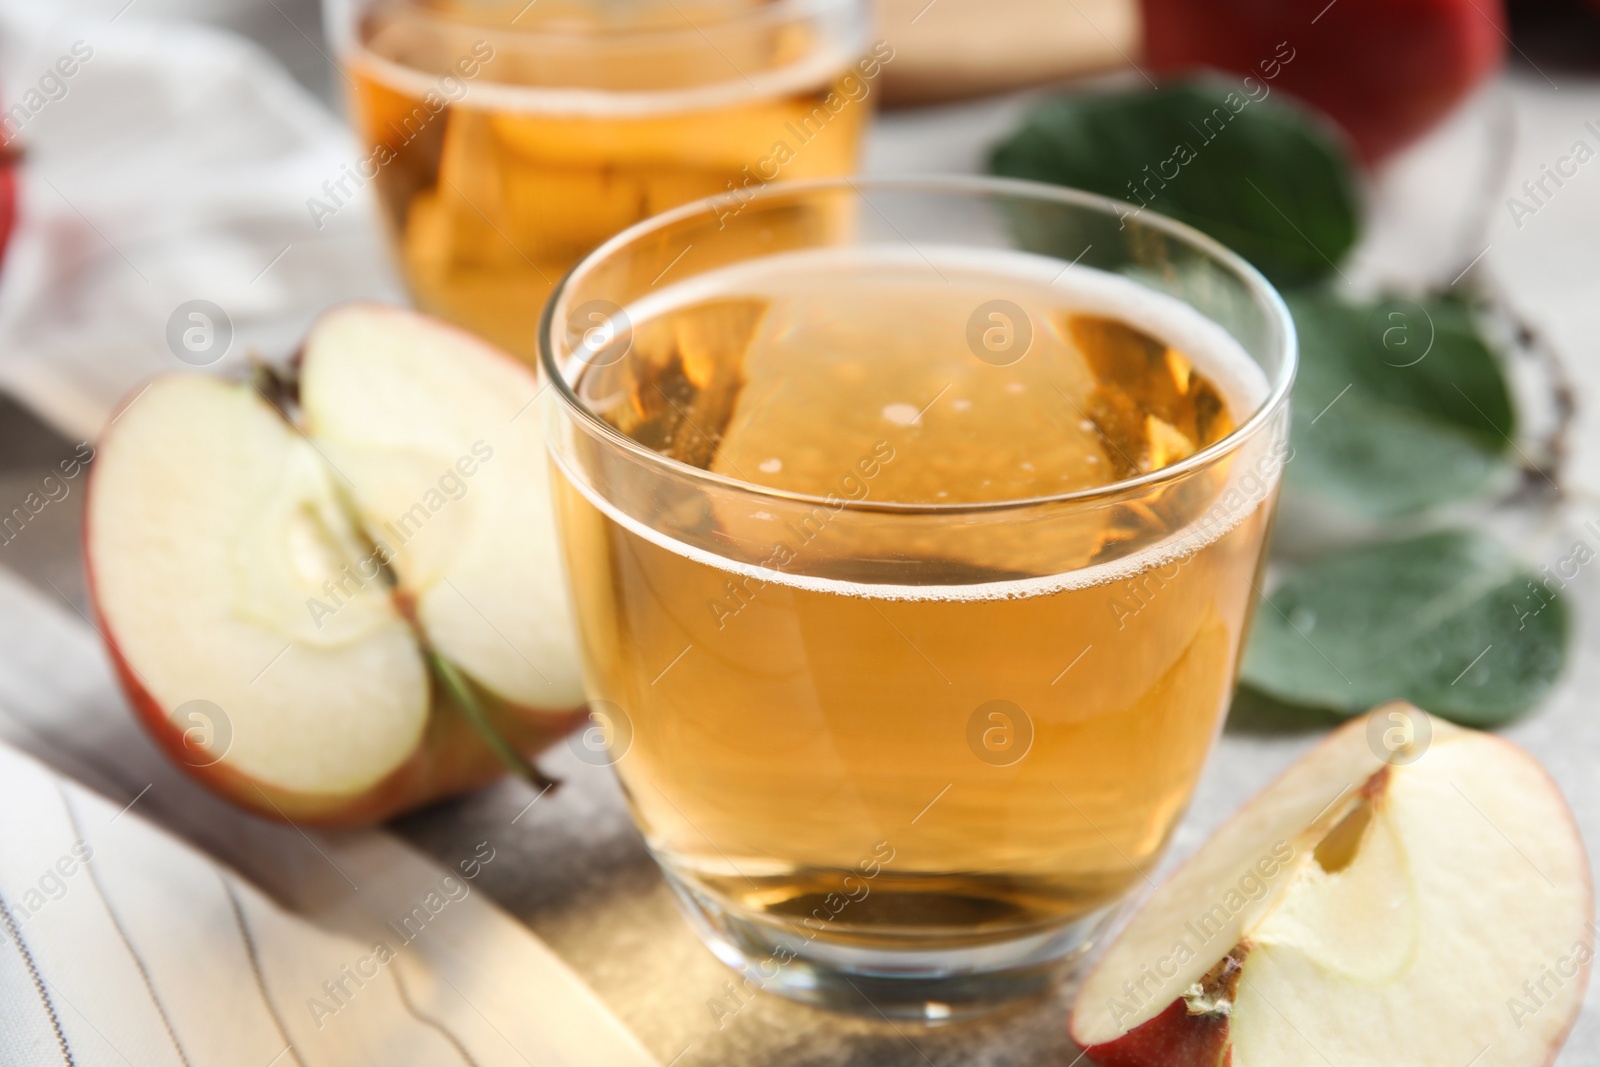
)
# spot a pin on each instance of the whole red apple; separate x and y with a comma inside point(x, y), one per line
point(1385, 70)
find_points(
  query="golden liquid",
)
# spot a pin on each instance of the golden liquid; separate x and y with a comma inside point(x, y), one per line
point(794, 721)
point(498, 183)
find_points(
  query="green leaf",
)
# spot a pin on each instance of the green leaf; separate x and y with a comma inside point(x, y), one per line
point(1398, 407)
point(1449, 621)
point(1261, 177)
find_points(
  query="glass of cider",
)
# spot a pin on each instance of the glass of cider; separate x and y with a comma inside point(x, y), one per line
point(914, 528)
point(507, 138)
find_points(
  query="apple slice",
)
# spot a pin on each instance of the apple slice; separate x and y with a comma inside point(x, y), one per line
point(1419, 909)
point(310, 619)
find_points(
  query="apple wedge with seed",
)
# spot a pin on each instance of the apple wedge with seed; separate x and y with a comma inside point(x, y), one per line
point(337, 618)
point(1417, 908)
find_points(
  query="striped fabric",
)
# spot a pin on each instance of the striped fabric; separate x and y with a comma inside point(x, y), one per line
point(123, 945)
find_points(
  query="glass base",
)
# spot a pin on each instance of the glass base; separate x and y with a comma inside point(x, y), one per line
point(931, 985)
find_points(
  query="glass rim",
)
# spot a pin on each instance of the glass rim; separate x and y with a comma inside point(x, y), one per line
point(1286, 338)
point(734, 15)
point(814, 68)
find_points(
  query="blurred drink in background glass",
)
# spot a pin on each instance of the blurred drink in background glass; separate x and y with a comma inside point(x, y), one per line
point(508, 139)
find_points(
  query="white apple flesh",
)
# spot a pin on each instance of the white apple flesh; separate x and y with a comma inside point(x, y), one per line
point(446, 465)
point(298, 579)
point(1361, 911)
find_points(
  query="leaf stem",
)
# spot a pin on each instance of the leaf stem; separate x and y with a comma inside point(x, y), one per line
point(461, 692)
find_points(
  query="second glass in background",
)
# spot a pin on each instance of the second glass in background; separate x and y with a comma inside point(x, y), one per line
point(506, 140)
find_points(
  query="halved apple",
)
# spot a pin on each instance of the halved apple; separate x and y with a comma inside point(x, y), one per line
point(325, 621)
point(1363, 909)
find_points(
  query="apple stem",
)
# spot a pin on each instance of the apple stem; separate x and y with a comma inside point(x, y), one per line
point(461, 693)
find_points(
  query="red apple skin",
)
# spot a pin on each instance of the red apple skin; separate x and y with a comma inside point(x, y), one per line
point(1178, 1037)
point(1172, 1039)
point(1384, 70)
point(8, 197)
point(450, 759)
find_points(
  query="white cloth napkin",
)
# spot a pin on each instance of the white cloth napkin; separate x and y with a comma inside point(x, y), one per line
point(122, 945)
point(173, 164)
